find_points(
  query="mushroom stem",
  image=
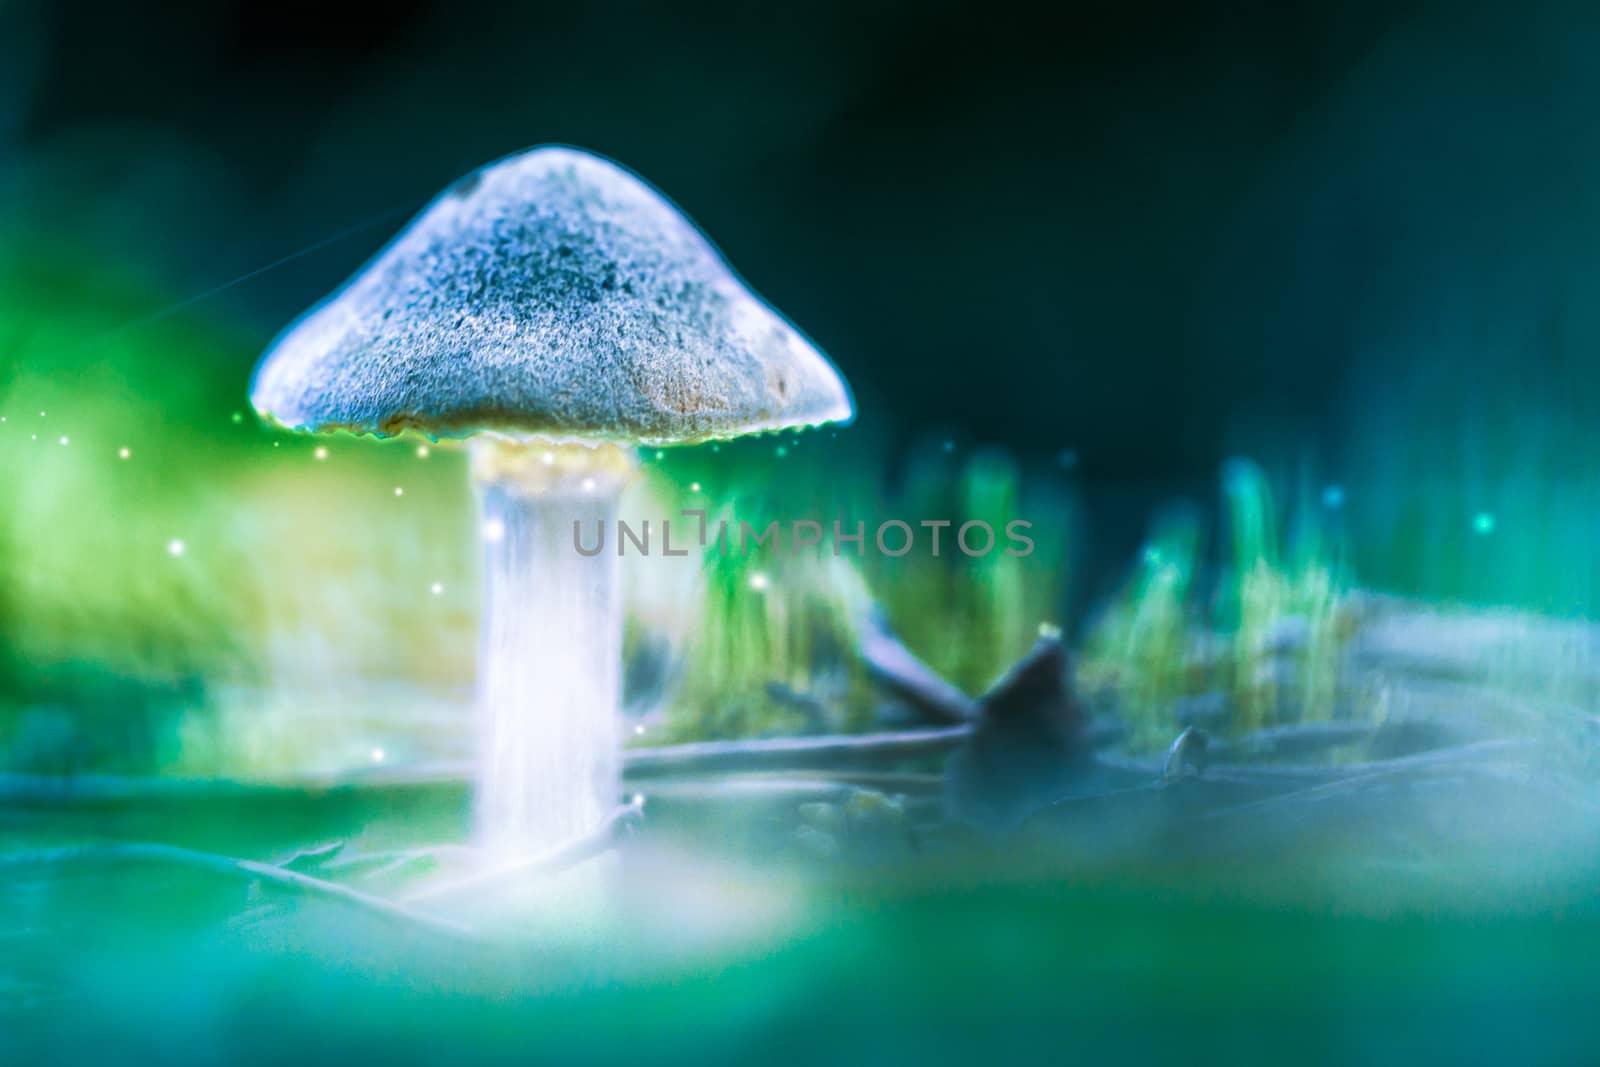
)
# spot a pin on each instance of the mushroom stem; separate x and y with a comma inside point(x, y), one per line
point(550, 659)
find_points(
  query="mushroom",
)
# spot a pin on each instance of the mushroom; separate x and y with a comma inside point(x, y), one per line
point(556, 311)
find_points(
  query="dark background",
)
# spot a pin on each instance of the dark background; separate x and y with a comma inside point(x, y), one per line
point(1153, 233)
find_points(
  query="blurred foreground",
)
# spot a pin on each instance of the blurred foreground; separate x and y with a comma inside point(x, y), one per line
point(1377, 889)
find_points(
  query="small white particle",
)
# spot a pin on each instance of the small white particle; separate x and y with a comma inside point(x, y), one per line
point(437, 588)
point(320, 453)
point(759, 582)
point(494, 530)
point(638, 731)
point(694, 487)
point(422, 451)
point(377, 755)
point(175, 548)
point(399, 491)
point(124, 453)
point(588, 485)
point(549, 458)
point(66, 440)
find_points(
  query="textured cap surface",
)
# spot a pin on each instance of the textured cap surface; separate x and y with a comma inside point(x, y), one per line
point(551, 293)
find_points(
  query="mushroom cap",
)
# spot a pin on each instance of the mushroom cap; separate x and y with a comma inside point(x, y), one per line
point(550, 294)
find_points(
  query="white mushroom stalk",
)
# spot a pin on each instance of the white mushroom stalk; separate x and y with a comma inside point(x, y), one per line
point(550, 661)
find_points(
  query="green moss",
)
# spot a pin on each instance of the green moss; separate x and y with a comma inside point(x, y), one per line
point(1274, 593)
point(971, 616)
point(773, 647)
point(1267, 631)
point(1140, 649)
point(757, 638)
point(770, 638)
